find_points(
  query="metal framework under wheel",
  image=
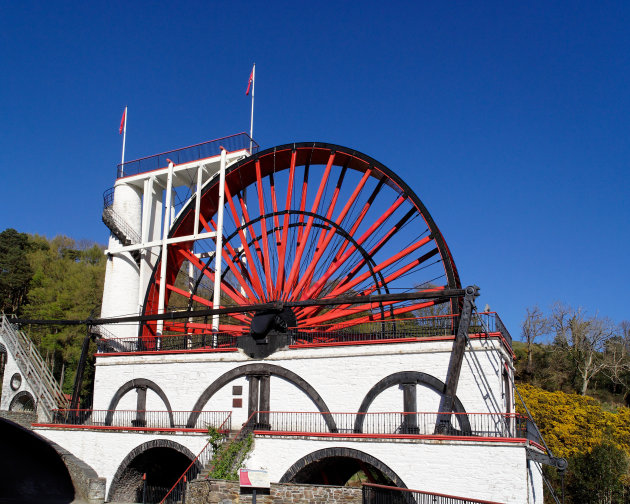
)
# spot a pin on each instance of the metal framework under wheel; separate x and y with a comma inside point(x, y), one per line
point(305, 221)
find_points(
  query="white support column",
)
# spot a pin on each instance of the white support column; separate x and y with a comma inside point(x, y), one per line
point(172, 207)
point(198, 197)
point(147, 204)
point(191, 273)
point(122, 275)
point(216, 298)
point(165, 231)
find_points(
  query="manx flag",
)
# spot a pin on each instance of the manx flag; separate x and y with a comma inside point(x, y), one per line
point(249, 82)
point(122, 121)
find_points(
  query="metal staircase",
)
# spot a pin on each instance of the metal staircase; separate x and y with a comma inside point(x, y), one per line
point(35, 371)
point(118, 226)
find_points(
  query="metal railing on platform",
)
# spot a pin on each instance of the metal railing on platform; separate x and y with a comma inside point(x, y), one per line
point(381, 494)
point(168, 343)
point(387, 424)
point(416, 327)
point(240, 141)
point(438, 326)
point(142, 419)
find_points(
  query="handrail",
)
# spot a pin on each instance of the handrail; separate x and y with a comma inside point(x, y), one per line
point(141, 419)
point(32, 366)
point(435, 497)
point(119, 226)
point(217, 342)
point(24, 345)
point(238, 141)
point(245, 429)
point(387, 424)
point(202, 453)
point(395, 330)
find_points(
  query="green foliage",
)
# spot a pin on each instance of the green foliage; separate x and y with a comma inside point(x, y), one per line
point(228, 457)
point(596, 442)
point(598, 476)
point(53, 279)
point(15, 270)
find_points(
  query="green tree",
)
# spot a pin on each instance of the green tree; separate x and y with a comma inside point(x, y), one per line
point(67, 283)
point(596, 477)
point(15, 270)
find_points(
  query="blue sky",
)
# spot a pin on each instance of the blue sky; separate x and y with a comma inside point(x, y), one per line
point(510, 121)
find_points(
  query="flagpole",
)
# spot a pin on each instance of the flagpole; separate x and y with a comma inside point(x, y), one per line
point(122, 161)
point(251, 142)
point(251, 124)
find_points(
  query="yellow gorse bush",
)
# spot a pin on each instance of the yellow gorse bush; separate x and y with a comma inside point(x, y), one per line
point(574, 424)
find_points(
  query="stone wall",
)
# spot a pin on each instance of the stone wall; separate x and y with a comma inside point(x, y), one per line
point(23, 418)
point(228, 492)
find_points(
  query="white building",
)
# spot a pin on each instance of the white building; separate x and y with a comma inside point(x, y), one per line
point(345, 343)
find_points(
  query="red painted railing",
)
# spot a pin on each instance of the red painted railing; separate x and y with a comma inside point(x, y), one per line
point(381, 494)
point(392, 424)
point(140, 420)
point(178, 489)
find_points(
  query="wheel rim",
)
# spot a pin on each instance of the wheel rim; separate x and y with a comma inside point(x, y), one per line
point(305, 221)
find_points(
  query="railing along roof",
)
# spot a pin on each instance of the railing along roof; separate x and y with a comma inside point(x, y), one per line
point(203, 150)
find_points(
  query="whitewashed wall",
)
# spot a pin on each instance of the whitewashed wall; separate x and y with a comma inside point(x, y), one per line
point(105, 450)
point(341, 375)
point(488, 471)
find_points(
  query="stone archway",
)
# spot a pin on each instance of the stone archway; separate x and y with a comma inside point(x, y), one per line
point(163, 461)
point(22, 401)
point(335, 466)
point(141, 385)
point(408, 378)
point(262, 370)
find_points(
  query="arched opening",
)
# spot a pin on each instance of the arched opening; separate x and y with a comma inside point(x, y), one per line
point(140, 385)
point(337, 466)
point(32, 470)
point(262, 369)
point(23, 401)
point(162, 461)
point(410, 378)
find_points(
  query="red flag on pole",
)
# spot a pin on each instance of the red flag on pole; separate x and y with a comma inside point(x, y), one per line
point(249, 82)
point(122, 122)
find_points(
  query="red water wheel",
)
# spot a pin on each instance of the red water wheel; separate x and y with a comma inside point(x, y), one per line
point(301, 222)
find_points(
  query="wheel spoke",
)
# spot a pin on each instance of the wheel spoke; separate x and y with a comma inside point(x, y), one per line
point(254, 276)
point(263, 226)
point(238, 272)
point(225, 287)
point(357, 230)
point(337, 262)
point(300, 250)
point(337, 314)
point(250, 228)
point(285, 226)
point(363, 213)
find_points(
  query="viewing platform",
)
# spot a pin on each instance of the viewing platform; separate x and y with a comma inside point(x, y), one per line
point(186, 158)
point(140, 420)
point(492, 427)
point(188, 337)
